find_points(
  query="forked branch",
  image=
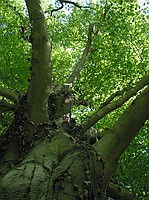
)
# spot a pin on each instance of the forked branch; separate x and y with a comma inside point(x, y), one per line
point(75, 74)
point(116, 104)
point(80, 65)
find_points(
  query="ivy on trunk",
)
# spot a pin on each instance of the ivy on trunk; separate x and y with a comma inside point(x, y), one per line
point(46, 153)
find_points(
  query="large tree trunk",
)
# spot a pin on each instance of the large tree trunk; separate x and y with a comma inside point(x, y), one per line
point(62, 165)
point(45, 154)
point(57, 168)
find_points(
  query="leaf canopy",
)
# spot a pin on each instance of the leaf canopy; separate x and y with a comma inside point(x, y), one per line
point(118, 60)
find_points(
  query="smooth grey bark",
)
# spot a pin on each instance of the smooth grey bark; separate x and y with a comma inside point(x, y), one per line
point(117, 139)
point(65, 166)
point(60, 164)
point(80, 65)
point(58, 169)
point(40, 84)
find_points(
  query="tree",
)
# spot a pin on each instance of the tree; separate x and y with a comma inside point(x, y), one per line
point(53, 148)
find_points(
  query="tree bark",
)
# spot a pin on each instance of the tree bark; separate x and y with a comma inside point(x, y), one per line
point(62, 166)
point(60, 169)
point(117, 139)
point(59, 163)
point(119, 193)
point(80, 65)
point(116, 104)
point(40, 84)
point(9, 94)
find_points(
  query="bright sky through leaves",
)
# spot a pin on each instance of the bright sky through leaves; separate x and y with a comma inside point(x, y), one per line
point(141, 2)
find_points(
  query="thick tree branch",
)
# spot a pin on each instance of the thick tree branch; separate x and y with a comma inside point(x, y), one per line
point(40, 84)
point(5, 106)
point(102, 111)
point(117, 139)
point(75, 74)
point(109, 100)
point(118, 193)
point(9, 94)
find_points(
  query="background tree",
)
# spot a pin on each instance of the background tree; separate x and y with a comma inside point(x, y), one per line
point(71, 105)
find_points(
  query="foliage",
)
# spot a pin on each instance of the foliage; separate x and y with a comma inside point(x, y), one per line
point(134, 164)
point(14, 51)
point(119, 59)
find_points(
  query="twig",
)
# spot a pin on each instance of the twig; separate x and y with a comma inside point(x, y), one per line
point(69, 2)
